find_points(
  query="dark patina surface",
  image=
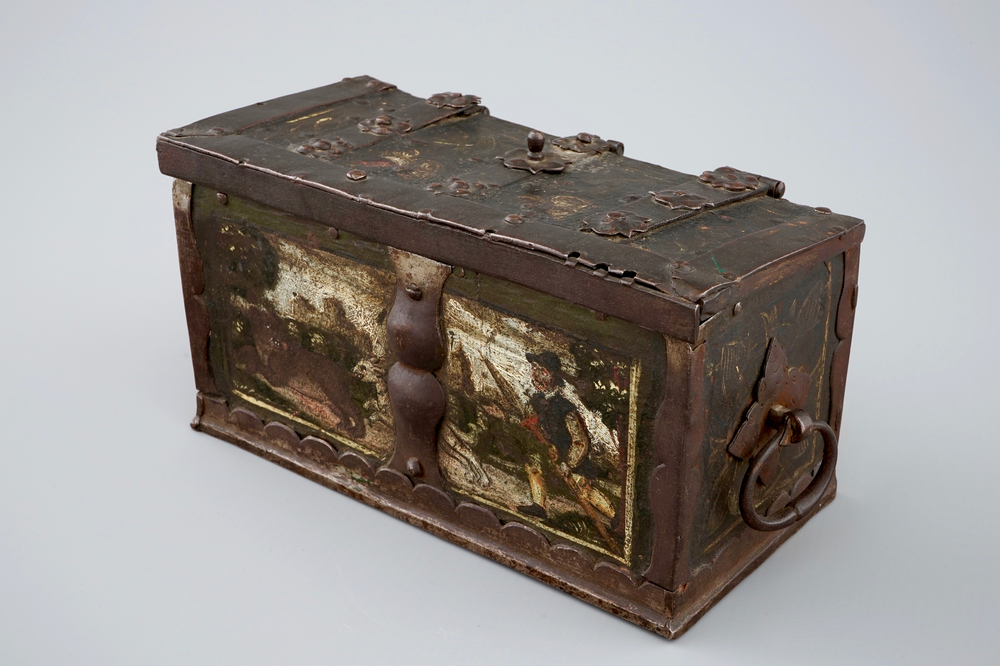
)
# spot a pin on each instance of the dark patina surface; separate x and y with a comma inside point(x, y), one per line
point(606, 374)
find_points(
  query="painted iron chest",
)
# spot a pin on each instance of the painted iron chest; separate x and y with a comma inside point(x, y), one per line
point(622, 380)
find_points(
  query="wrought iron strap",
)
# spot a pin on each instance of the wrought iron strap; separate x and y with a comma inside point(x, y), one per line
point(415, 394)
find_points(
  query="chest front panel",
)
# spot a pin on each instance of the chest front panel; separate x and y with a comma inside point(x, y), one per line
point(549, 406)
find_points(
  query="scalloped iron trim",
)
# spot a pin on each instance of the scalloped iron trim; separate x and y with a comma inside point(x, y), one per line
point(323, 458)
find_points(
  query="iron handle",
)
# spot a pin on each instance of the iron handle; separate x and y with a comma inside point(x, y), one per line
point(796, 425)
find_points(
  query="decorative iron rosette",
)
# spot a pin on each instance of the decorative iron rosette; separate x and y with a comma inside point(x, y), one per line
point(589, 143)
point(534, 158)
point(680, 199)
point(334, 146)
point(385, 124)
point(617, 222)
point(452, 100)
point(728, 178)
point(457, 187)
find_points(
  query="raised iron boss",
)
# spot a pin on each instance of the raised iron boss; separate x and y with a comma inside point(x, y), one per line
point(622, 380)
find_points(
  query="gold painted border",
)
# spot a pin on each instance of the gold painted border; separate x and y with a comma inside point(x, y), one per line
point(340, 438)
point(633, 427)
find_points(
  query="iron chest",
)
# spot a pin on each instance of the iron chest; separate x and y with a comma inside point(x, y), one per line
point(622, 380)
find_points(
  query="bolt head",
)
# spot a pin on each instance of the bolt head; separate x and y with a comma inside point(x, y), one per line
point(223, 199)
point(413, 291)
point(414, 468)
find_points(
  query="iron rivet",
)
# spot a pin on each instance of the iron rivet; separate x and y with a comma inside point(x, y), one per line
point(304, 149)
point(514, 219)
point(414, 292)
point(356, 174)
point(823, 209)
point(217, 130)
point(322, 144)
point(414, 468)
point(737, 308)
point(221, 196)
point(333, 233)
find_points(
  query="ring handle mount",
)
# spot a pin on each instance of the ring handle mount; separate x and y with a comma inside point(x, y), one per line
point(794, 425)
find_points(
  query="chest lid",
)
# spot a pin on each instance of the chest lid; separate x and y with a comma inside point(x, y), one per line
point(691, 245)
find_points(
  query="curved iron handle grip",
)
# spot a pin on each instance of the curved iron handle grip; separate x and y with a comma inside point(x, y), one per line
point(796, 426)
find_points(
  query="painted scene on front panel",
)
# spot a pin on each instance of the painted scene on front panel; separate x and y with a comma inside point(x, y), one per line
point(539, 425)
point(307, 337)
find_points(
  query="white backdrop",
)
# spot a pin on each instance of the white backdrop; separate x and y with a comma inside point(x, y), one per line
point(127, 538)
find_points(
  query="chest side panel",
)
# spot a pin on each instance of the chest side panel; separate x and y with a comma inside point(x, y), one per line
point(800, 314)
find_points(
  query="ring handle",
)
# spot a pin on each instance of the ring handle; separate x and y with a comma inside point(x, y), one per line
point(796, 425)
